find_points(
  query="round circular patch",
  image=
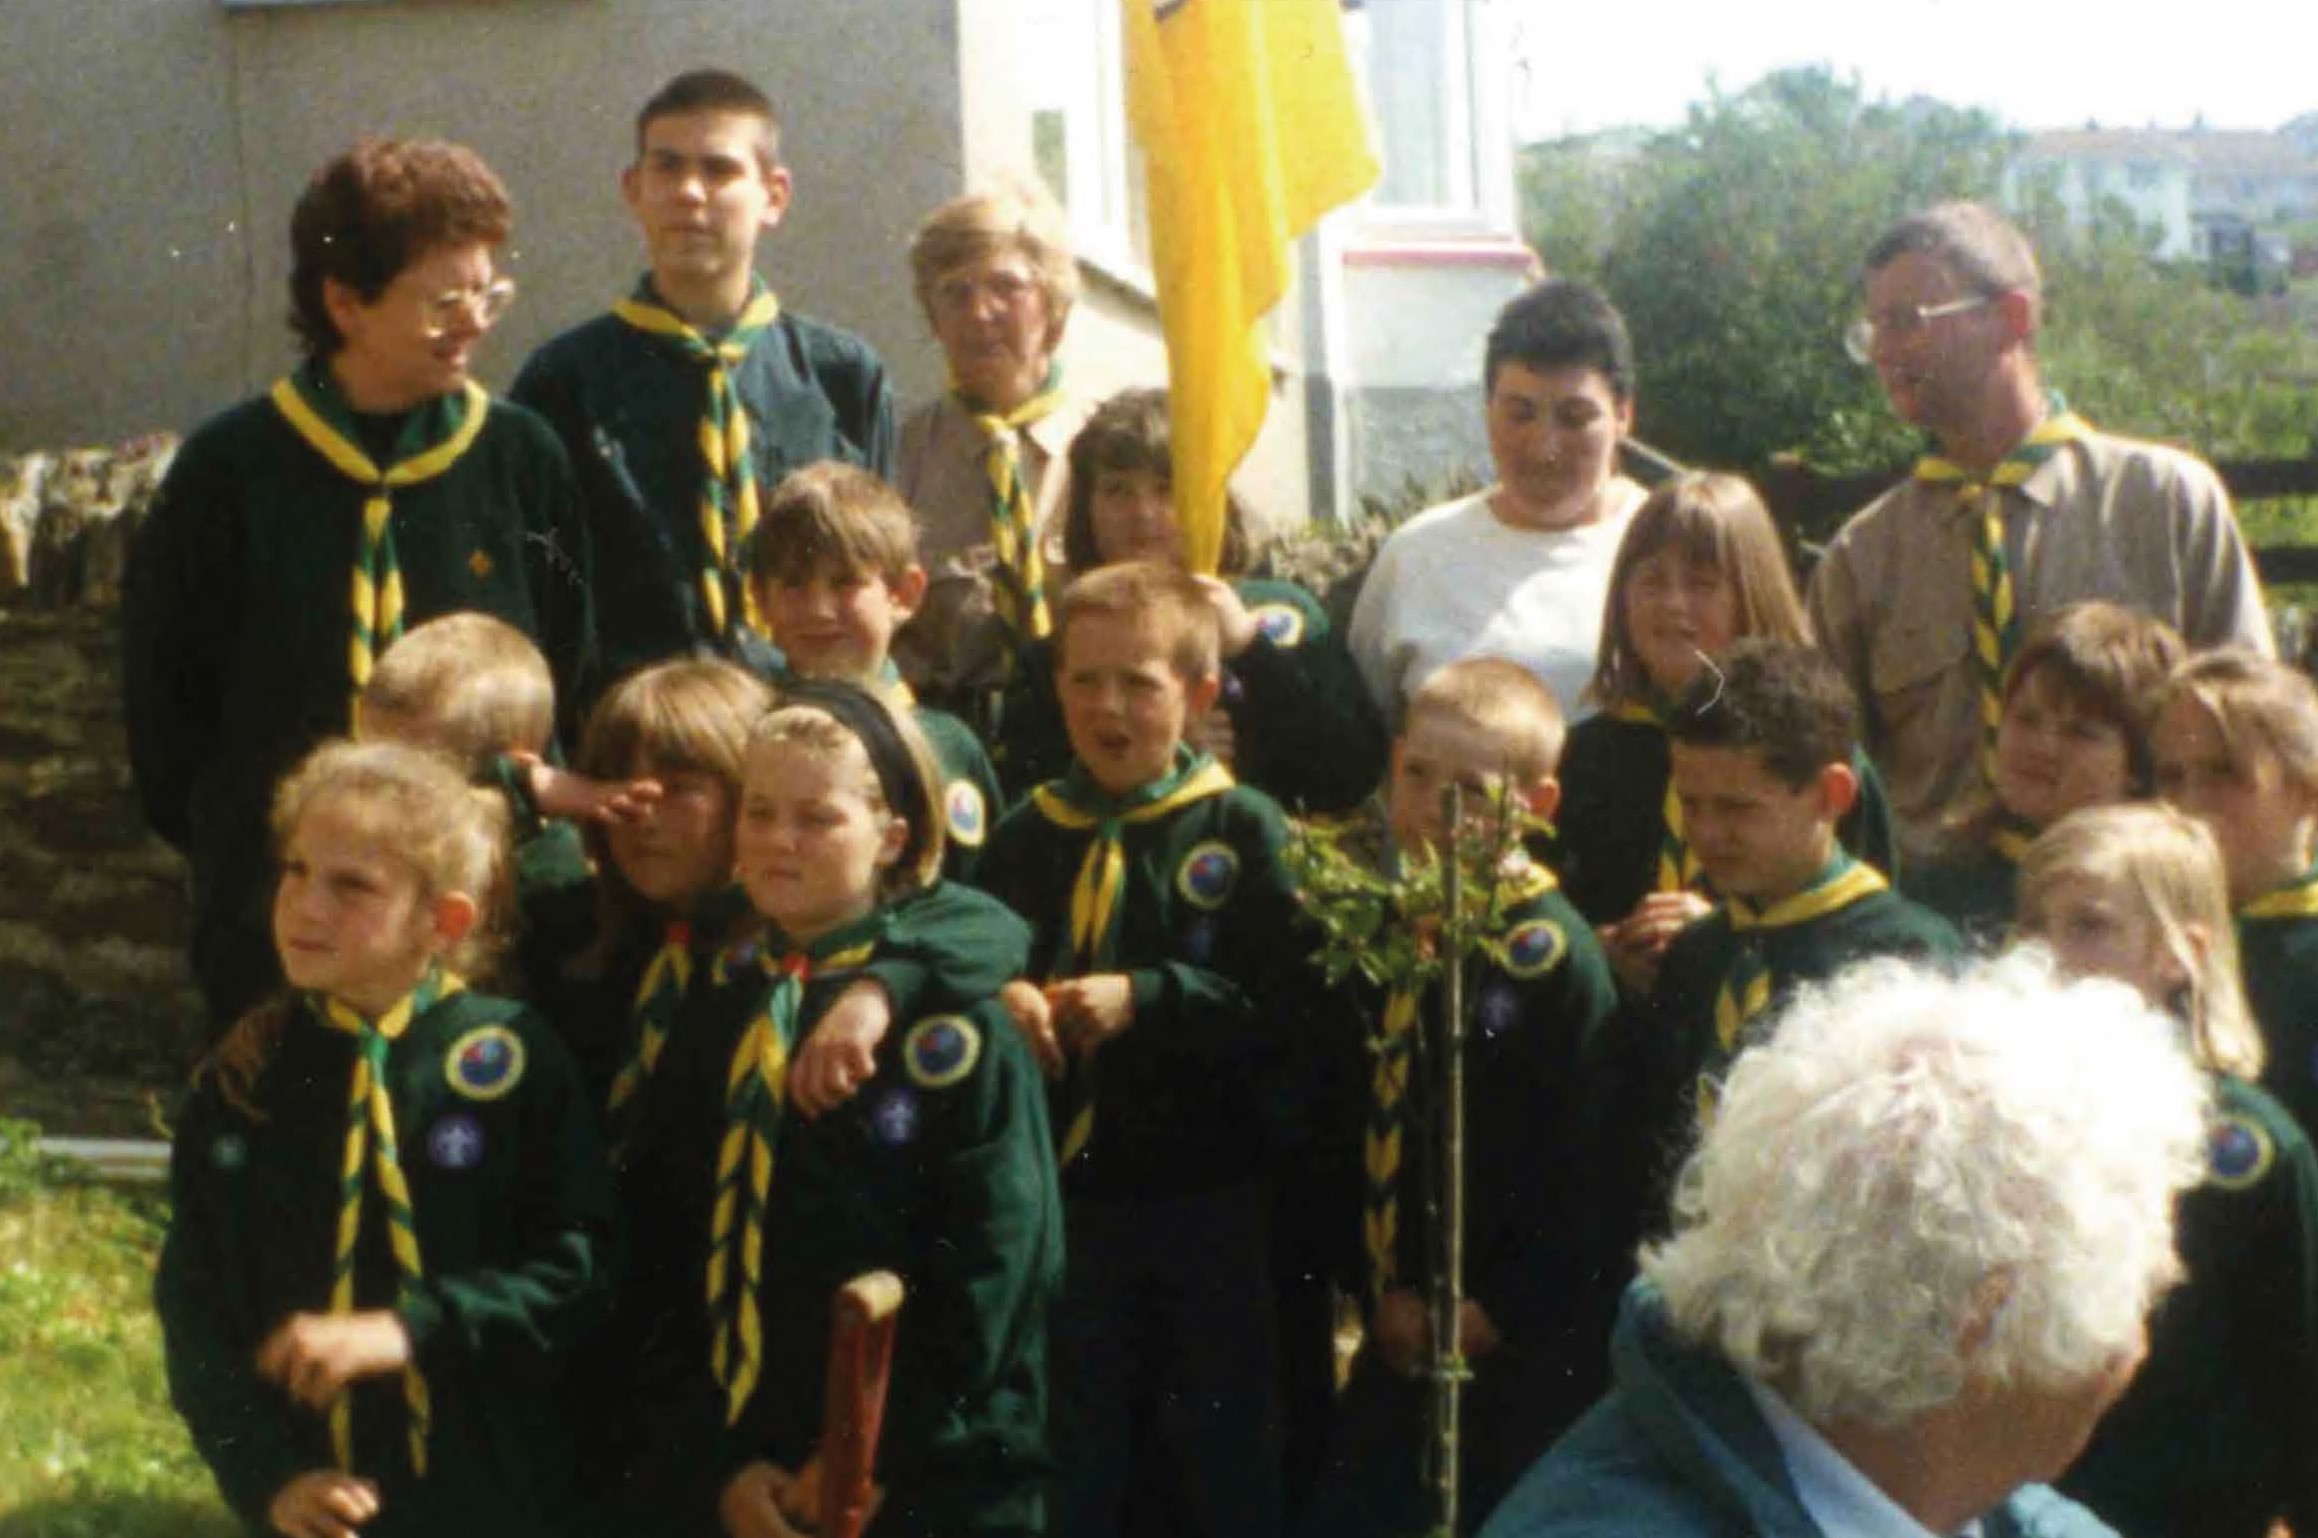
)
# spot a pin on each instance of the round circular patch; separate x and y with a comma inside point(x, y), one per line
point(941, 1051)
point(455, 1142)
point(1282, 624)
point(1208, 874)
point(963, 809)
point(485, 1063)
point(229, 1152)
point(2238, 1152)
point(893, 1121)
point(1532, 949)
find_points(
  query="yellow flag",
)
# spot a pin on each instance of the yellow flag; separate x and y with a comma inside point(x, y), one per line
point(1251, 129)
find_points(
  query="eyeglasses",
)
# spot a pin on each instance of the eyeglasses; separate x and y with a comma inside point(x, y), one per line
point(1007, 289)
point(1860, 336)
point(483, 306)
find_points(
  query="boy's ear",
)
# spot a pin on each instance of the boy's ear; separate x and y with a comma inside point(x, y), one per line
point(453, 917)
point(342, 304)
point(1202, 692)
point(1542, 798)
point(779, 189)
point(892, 841)
point(1837, 789)
point(908, 591)
point(2197, 940)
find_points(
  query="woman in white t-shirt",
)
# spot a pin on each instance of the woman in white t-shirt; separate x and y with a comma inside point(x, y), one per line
point(1519, 570)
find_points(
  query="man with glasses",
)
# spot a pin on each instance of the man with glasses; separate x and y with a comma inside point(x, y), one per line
point(2021, 508)
point(374, 486)
point(700, 386)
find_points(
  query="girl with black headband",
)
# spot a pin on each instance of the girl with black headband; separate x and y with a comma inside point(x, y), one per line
point(936, 1164)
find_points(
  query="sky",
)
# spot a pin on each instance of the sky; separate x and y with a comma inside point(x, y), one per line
point(2035, 63)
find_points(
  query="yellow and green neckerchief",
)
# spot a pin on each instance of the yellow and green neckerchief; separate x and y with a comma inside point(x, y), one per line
point(1077, 803)
point(1746, 986)
point(1677, 866)
point(371, 1150)
point(2012, 838)
point(728, 491)
point(1019, 594)
point(667, 979)
point(755, 1084)
point(666, 982)
point(1995, 615)
point(1380, 1154)
point(2297, 899)
point(444, 429)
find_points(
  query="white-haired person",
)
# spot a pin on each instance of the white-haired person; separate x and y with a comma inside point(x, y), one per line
point(2218, 1436)
point(1911, 1265)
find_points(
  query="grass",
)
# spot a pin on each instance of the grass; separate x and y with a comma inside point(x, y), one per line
point(89, 1447)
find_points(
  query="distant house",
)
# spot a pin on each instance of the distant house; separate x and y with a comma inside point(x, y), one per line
point(2212, 195)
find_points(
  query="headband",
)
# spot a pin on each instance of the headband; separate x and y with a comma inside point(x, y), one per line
point(899, 778)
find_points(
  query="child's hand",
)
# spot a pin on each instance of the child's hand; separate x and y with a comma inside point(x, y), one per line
point(576, 798)
point(1035, 1020)
point(1089, 1011)
point(841, 1054)
point(323, 1503)
point(1233, 622)
point(1403, 1331)
point(1477, 1335)
point(313, 1357)
point(1636, 942)
point(752, 1501)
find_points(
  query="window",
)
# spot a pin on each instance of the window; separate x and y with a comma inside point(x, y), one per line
point(1441, 111)
point(1079, 136)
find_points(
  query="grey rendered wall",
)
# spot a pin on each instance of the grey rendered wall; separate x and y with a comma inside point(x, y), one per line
point(156, 147)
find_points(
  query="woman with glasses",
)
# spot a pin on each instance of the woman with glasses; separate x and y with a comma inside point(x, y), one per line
point(983, 465)
point(296, 535)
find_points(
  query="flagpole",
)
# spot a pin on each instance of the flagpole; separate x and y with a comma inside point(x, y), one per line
point(1448, 1195)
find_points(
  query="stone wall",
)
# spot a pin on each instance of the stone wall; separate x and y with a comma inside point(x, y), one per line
point(98, 1019)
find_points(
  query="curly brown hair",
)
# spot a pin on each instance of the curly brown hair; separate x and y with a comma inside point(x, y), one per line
point(373, 211)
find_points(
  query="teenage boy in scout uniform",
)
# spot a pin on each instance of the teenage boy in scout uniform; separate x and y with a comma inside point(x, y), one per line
point(1533, 1318)
point(1762, 747)
point(699, 385)
point(1162, 917)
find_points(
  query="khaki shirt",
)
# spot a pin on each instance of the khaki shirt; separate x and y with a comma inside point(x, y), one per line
point(1892, 602)
point(955, 642)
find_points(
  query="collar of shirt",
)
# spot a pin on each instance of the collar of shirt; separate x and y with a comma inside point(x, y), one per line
point(1842, 1502)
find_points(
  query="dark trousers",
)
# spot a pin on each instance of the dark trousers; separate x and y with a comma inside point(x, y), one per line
point(1377, 1482)
point(1164, 1367)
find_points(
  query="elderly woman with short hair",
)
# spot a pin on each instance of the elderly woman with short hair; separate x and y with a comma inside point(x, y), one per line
point(1911, 1266)
point(983, 466)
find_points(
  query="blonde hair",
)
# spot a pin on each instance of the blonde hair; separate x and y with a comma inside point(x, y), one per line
point(1504, 702)
point(1715, 520)
point(807, 728)
point(476, 685)
point(417, 804)
point(2255, 703)
point(1171, 601)
point(1014, 216)
point(830, 515)
point(2170, 864)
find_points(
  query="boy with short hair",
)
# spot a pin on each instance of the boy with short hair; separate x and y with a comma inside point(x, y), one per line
point(1161, 911)
point(834, 573)
point(1762, 749)
point(699, 384)
point(1533, 1319)
point(475, 689)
